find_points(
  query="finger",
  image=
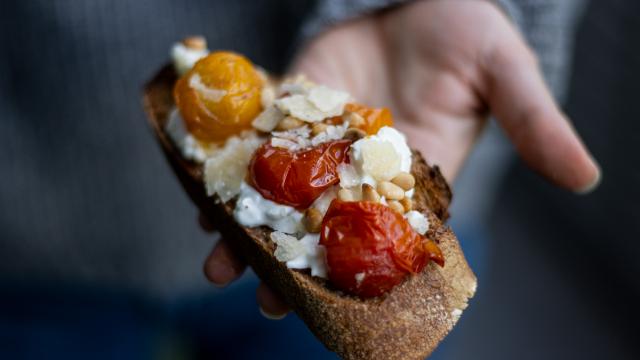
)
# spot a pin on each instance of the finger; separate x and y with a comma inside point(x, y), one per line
point(205, 224)
point(271, 306)
point(541, 133)
point(222, 265)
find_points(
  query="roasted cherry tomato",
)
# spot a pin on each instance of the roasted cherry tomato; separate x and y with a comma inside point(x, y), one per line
point(374, 119)
point(371, 248)
point(219, 96)
point(297, 178)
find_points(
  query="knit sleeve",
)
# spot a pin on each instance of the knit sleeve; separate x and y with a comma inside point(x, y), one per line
point(331, 12)
point(549, 26)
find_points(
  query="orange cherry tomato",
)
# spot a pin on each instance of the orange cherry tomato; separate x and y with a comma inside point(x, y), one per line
point(219, 96)
point(297, 178)
point(374, 119)
point(371, 248)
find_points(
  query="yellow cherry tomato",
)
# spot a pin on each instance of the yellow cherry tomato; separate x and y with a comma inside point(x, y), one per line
point(219, 96)
point(374, 119)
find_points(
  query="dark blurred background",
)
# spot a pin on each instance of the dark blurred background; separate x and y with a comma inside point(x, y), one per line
point(101, 255)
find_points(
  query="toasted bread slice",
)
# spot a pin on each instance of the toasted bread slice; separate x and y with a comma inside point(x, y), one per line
point(406, 323)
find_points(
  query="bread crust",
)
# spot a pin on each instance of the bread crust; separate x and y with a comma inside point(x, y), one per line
point(406, 323)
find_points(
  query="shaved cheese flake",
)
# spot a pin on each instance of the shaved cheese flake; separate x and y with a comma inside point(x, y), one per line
point(299, 107)
point(348, 175)
point(317, 104)
point(328, 100)
point(226, 168)
point(287, 246)
point(267, 96)
point(268, 119)
point(285, 144)
point(313, 257)
point(212, 94)
point(305, 253)
point(333, 132)
point(323, 201)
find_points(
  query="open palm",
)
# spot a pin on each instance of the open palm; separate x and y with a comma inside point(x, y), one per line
point(442, 67)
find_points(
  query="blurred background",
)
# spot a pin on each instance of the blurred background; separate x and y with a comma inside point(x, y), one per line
point(101, 255)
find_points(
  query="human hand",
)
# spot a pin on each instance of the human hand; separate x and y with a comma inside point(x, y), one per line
point(442, 67)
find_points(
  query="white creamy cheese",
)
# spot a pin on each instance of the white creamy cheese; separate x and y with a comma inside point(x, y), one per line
point(304, 253)
point(253, 210)
point(418, 221)
point(189, 147)
point(184, 58)
point(376, 158)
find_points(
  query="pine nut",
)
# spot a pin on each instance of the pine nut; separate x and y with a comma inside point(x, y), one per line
point(318, 128)
point(354, 134)
point(353, 118)
point(195, 42)
point(369, 193)
point(396, 206)
point(407, 204)
point(405, 180)
point(312, 220)
point(289, 123)
point(390, 191)
point(346, 195)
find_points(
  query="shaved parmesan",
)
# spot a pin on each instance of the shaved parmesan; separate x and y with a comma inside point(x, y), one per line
point(226, 168)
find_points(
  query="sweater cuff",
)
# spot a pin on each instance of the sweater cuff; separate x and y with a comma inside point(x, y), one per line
point(512, 11)
point(331, 12)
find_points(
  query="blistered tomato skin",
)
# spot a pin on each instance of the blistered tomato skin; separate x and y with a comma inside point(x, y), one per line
point(297, 178)
point(374, 119)
point(219, 96)
point(371, 248)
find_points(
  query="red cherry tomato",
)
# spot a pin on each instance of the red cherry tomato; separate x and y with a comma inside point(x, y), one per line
point(371, 248)
point(297, 178)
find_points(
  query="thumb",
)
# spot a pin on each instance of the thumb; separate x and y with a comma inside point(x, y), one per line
point(541, 133)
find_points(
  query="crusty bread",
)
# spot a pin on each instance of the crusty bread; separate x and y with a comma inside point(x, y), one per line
point(406, 323)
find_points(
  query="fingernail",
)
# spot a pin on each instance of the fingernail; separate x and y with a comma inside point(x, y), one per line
point(592, 185)
point(271, 316)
